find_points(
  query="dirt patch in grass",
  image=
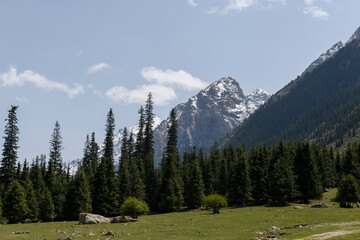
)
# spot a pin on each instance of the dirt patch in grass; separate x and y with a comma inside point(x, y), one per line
point(329, 235)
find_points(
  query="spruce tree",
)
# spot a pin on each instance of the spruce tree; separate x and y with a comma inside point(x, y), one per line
point(37, 178)
point(55, 149)
point(10, 147)
point(308, 178)
point(59, 195)
point(32, 201)
point(259, 160)
point(148, 148)
point(282, 182)
point(47, 209)
point(171, 183)
point(78, 197)
point(124, 174)
point(240, 188)
point(139, 144)
point(105, 180)
point(15, 206)
point(194, 186)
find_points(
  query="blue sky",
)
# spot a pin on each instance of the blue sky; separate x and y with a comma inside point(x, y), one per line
point(70, 61)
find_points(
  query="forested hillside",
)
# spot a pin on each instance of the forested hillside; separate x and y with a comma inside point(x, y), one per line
point(322, 105)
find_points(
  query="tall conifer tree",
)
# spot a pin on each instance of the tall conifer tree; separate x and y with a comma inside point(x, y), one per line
point(10, 147)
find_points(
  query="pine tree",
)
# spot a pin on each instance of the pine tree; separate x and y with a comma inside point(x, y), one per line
point(308, 179)
point(37, 178)
point(124, 174)
point(213, 170)
point(55, 149)
point(171, 183)
point(194, 186)
point(47, 209)
point(59, 195)
point(105, 187)
point(259, 160)
point(139, 145)
point(240, 188)
point(282, 183)
point(86, 161)
point(149, 152)
point(93, 155)
point(15, 206)
point(78, 198)
point(31, 201)
point(10, 147)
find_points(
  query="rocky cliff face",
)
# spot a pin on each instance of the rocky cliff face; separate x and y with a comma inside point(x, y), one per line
point(210, 115)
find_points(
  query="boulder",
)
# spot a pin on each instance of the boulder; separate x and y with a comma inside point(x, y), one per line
point(298, 207)
point(88, 218)
point(122, 219)
point(28, 220)
point(320, 205)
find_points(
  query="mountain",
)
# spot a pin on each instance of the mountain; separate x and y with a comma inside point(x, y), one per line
point(322, 105)
point(330, 52)
point(210, 115)
point(323, 57)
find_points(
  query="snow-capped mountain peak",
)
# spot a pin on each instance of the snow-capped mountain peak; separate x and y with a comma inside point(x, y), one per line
point(323, 57)
point(356, 35)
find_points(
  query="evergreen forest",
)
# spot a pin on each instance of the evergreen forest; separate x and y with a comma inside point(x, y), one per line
point(43, 189)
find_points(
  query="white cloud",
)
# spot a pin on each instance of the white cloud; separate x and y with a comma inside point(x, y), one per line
point(238, 5)
point(95, 91)
point(98, 67)
point(192, 3)
point(309, 2)
point(316, 12)
point(22, 100)
point(12, 78)
point(212, 10)
point(172, 78)
point(162, 95)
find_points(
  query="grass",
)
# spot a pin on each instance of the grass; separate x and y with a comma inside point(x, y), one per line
point(231, 223)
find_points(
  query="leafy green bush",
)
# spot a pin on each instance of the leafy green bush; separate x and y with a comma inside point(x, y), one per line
point(134, 207)
point(215, 201)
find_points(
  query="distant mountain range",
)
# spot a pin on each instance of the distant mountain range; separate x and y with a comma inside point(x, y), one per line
point(322, 105)
point(205, 118)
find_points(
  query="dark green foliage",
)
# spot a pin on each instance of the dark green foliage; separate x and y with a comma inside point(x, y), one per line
point(348, 191)
point(215, 202)
point(134, 207)
point(240, 183)
point(10, 147)
point(59, 195)
point(193, 183)
point(55, 149)
point(100, 190)
point(308, 179)
point(172, 139)
point(282, 179)
point(78, 197)
point(259, 160)
point(31, 201)
point(171, 197)
point(124, 169)
point(213, 170)
point(148, 150)
point(15, 206)
point(47, 209)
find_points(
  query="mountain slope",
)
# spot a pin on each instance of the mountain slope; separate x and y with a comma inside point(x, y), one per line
point(210, 115)
point(322, 105)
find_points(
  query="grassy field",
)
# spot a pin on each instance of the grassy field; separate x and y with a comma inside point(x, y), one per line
point(232, 223)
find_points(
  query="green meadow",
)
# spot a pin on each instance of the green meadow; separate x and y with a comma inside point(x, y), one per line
point(232, 223)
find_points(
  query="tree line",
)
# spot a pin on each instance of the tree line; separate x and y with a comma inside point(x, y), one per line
point(44, 189)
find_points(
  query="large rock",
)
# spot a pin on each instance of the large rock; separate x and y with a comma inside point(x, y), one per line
point(88, 218)
point(122, 219)
point(320, 205)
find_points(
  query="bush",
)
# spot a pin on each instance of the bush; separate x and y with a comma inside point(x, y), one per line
point(348, 191)
point(134, 207)
point(215, 202)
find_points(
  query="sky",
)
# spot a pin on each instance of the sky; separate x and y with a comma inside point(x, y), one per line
point(71, 61)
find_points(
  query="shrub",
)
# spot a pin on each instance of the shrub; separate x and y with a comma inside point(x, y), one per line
point(215, 201)
point(134, 207)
